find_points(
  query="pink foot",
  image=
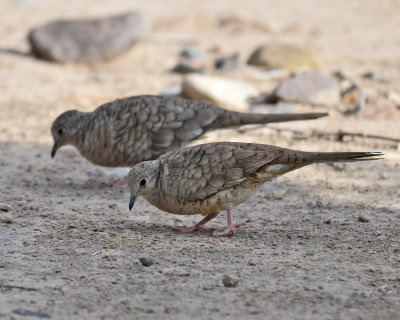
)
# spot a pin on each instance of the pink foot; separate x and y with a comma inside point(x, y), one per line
point(230, 231)
point(197, 227)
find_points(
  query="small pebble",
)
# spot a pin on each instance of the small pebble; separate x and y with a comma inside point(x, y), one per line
point(191, 52)
point(147, 260)
point(185, 68)
point(24, 312)
point(227, 63)
point(230, 280)
point(318, 203)
point(171, 91)
point(362, 219)
point(371, 76)
point(5, 207)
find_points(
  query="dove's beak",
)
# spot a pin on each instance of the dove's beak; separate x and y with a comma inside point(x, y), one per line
point(132, 202)
point(54, 150)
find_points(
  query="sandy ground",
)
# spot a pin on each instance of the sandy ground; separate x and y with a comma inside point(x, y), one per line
point(329, 248)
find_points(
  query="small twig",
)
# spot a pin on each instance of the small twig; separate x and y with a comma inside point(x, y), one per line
point(9, 287)
point(341, 134)
point(321, 134)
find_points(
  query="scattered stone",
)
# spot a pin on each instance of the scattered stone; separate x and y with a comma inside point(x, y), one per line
point(191, 52)
point(5, 208)
point(230, 280)
point(87, 40)
point(25, 312)
point(394, 97)
point(310, 87)
point(351, 96)
point(5, 239)
point(371, 75)
point(318, 203)
point(229, 63)
point(231, 94)
point(184, 68)
point(6, 214)
point(147, 260)
point(328, 221)
point(362, 219)
point(171, 91)
point(286, 56)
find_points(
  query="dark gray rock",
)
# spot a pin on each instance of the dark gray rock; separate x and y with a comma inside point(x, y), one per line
point(185, 68)
point(229, 63)
point(371, 75)
point(87, 40)
point(310, 87)
point(191, 52)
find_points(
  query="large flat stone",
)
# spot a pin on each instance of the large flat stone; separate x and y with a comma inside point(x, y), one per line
point(230, 94)
point(311, 87)
point(87, 40)
point(285, 56)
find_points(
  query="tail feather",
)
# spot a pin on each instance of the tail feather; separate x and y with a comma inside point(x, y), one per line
point(258, 118)
point(343, 156)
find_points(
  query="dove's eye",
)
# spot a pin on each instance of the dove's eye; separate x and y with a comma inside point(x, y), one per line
point(60, 131)
point(143, 182)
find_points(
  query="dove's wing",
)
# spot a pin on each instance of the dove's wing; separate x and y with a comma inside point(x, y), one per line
point(199, 172)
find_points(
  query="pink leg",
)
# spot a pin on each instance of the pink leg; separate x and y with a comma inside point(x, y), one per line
point(197, 227)
point(230, 231)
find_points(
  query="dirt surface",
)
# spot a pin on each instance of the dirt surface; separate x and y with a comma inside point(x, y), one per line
point(321, 243)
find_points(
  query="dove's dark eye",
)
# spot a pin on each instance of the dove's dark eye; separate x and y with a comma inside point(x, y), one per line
point(60, 131)
point(142, 182)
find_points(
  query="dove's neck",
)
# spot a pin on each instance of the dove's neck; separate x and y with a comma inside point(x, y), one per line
point(154, 169)
point(88, 130)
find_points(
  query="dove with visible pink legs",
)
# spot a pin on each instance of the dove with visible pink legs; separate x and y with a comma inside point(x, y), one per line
point(209, 178)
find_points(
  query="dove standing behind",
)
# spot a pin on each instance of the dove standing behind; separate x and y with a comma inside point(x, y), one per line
point(127, 131)
point(212, 177)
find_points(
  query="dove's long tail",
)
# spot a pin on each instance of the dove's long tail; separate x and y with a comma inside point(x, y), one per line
point(315, 157)
point(237, 118)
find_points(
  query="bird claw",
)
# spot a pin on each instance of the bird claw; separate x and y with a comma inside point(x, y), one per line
point(230, 231)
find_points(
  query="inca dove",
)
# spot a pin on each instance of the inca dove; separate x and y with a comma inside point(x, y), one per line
point(212, 177)
point(127, 131)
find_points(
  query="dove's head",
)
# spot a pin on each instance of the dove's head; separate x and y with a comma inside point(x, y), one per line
point(64, 129)
point(142, 179)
